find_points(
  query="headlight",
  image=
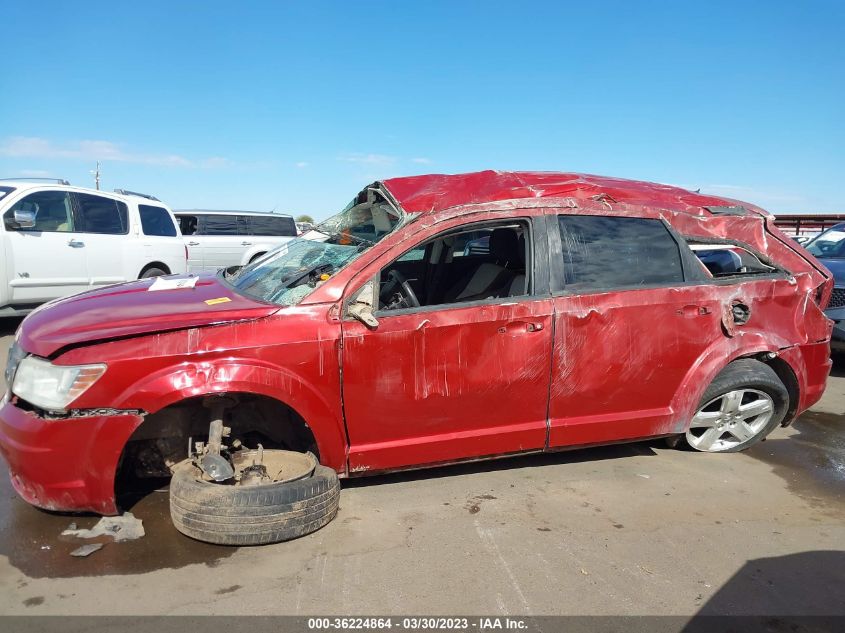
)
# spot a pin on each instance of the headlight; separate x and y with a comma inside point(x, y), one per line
point(53, 387)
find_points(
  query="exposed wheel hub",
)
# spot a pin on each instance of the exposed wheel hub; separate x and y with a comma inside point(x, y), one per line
point(236, 465)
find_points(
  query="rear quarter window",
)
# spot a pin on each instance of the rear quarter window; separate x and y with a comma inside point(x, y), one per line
point(156, 221)
point(728, 260)
point(608, 253)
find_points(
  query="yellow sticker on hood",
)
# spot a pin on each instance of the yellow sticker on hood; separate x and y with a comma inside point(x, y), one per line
point(212, 302)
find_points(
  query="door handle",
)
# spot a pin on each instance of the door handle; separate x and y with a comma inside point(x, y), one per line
point(246, 243)
point(517, 327)
point(75, 243)
point(193, 243)
point(691, 311)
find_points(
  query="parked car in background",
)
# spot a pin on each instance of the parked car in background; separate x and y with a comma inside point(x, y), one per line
point(219, 239)
point(58, 240)
point(304, 227)
point(829, 248)
point(436, 319)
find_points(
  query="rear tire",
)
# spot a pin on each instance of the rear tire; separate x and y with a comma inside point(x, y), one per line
point(742, 405)
point(152, 272)
point(251, 515)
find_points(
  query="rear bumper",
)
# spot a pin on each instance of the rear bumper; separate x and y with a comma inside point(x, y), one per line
point(811, 364)
point(67, 464)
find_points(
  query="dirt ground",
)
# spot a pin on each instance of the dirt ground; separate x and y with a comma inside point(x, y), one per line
point(629, 529)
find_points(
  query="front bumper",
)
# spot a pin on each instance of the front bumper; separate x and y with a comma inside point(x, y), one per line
point(67, 464)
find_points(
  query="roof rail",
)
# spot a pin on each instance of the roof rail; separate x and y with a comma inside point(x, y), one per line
point(126, 192)
point(58, 181)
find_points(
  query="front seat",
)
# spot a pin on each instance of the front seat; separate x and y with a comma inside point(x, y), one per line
point(491, 279)
point(518, 286)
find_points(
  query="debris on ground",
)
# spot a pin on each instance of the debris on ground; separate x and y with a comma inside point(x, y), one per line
point(121, 528)
point(86, 550)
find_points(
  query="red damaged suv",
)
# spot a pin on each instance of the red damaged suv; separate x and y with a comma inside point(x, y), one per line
point(435, 319)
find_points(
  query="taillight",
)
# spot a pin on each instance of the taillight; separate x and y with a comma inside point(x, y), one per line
point(822, 293)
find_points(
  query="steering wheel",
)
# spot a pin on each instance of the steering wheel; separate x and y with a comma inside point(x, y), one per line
point(396, 279)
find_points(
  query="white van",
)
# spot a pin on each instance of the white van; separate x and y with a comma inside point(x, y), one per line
point(58, 240)
point(219, 239)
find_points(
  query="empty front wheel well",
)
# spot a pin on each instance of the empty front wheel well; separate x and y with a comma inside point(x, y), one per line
point(162, 440)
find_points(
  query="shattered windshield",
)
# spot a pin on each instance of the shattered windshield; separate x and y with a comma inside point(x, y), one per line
point(831, 243)
point(288, 274)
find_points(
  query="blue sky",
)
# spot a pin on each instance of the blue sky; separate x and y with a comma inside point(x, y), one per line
point(296, 106)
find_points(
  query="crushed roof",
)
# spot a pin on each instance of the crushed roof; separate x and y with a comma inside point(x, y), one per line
point(437, 192)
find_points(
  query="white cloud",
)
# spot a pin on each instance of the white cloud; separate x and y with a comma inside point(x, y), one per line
point(91, 150)
point(421, 161)
point(367, 159)
point(301, 164)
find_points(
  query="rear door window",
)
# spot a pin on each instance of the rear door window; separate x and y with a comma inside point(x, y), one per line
point(96, 214)
point(220, 224)
point(156, 221)
point(608, 253)
point(271, 225)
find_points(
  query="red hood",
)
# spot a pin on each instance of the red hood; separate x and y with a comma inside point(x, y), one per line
point(130, 309)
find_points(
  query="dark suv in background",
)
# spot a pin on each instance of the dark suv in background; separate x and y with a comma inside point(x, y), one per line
point(829, 247)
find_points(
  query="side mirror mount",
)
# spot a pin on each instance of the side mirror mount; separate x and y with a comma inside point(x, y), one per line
point(22, 220)
point(363, 313)
point(361, 306)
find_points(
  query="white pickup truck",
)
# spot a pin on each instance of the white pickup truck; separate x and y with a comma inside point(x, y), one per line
point(219, 239)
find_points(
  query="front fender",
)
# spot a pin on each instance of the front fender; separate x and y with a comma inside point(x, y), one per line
point(173, 384)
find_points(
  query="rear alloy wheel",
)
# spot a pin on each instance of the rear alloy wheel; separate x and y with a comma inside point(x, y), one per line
point(741, 407)
point(730, 419)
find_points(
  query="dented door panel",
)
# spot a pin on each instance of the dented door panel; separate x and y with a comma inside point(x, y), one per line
point(620, 357)
point(634, 364)
point(447, 384)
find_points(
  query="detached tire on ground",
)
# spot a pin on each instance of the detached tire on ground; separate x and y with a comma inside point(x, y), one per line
point(251, 515)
